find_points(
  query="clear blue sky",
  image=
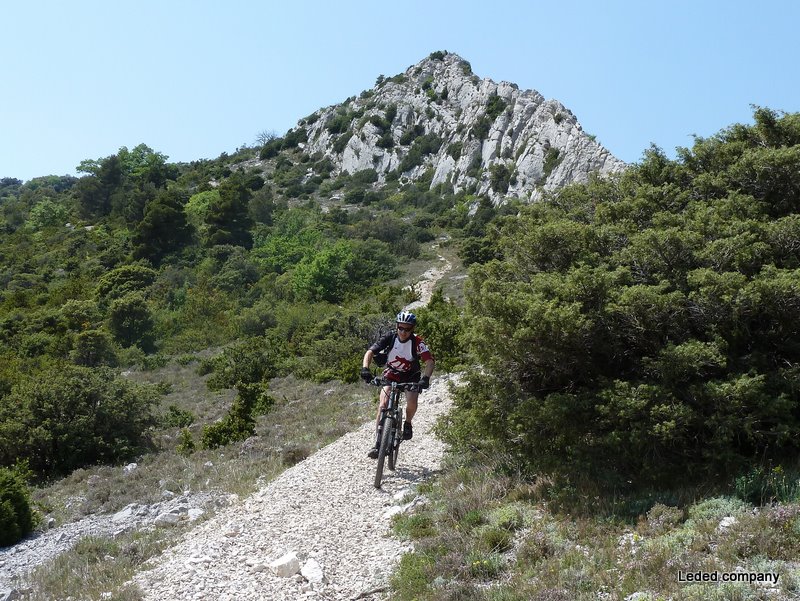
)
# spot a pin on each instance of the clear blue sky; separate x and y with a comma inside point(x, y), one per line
point(193, 79)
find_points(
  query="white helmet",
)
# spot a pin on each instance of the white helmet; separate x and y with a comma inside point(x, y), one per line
point(406, 317)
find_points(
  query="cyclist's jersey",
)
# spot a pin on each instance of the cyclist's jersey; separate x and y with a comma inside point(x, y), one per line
point(402, 361)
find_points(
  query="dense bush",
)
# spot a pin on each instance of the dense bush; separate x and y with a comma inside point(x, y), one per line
point(131, 321)
point(228, 219)
point(16, 515)
point(341, 142)
point(495, 106)
point(197, 209)
point(341, 269)
point(481, 128)
point(271, 148)
point(441, 325)
point(70, 416)
point(124, 280)
point(246, 366)
point(93, 348)
point(500, 177)
point(163, 229)
point(249, 361)
point(644, 328)
point(422, 146)
point(551, 160)
point(454, 150)
point(411, 134)
point(339, 122)
point(238, 424)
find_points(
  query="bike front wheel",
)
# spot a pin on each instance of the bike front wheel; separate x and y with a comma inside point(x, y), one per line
point(398, 436)
point(385, 449)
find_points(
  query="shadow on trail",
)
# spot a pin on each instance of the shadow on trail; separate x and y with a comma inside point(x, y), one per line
point(409, 474)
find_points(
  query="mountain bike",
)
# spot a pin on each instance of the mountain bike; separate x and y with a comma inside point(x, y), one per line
point(390, 424)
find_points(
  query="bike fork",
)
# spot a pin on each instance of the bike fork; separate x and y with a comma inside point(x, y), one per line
point(379, 432)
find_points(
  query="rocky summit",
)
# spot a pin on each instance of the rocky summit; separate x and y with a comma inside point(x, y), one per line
point(441, 121)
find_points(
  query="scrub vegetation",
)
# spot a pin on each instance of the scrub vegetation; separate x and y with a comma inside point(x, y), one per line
point(630, 412)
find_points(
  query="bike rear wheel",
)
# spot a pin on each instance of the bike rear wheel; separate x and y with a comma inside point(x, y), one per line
point(385, 448)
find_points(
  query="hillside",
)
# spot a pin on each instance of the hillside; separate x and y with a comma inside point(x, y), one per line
point(628, 345)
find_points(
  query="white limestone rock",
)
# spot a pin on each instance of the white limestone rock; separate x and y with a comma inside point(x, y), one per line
point(538, 141)
point(285, 566)
point(313, 572)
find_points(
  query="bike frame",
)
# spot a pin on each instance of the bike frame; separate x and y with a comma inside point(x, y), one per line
point(391, 418)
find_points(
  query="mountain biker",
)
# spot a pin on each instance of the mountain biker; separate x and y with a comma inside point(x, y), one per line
point(405, 350)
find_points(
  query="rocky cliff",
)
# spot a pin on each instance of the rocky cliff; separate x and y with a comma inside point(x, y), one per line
point(471, 133)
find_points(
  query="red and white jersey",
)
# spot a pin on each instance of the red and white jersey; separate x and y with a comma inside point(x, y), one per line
point(401, 357)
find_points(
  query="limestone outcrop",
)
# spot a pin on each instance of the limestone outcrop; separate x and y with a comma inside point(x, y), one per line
point(439, 119)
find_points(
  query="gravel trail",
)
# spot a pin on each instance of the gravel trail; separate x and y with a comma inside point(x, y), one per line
point(325, 510)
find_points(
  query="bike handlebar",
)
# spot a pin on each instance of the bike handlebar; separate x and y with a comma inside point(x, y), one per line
point(409, 386)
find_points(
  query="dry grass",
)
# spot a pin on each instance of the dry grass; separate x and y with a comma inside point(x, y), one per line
point(306, 416)
point(487, 536)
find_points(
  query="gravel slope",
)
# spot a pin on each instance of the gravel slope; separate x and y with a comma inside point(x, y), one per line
point(324, 509)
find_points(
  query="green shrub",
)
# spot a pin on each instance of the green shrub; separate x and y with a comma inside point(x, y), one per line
point(333, 346)
point(494, 539)
point(507, 517)
point(472, 519)
point(93, 348)
point(271, 149)
point(661, 519)
point(177, 418)
point(422, 146)
point(481, 128)
point(411, 134)
point(495, 106)
point(339, 122)
point(198, 208)
point(293, 137)
point(341, 269)
point(413, 526)
point(80, 314)
point(499, 177)
point(124, 280)
point(186, 445)
point(47, 213)
point(440, 323)
point(16, 515)
point(414, 576)
point(385, 141)
point(239, 423)
point(131, 321)
point(341, 142)
point(716, 508)
point(551, 160)
point(68, 416)
point(484, 566)
point(364, 177)
point(249, 361)
point(454, 150)
point(641, 335)
point(36, 344)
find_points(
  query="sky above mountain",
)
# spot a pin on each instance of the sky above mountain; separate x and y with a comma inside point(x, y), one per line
point(193, 79)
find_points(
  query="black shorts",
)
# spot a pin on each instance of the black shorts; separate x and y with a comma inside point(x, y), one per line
point(402, 377)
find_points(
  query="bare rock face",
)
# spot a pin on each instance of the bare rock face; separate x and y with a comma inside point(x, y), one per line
point(470, 133)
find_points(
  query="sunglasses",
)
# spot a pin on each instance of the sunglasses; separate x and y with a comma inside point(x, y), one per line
point(402, 329)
